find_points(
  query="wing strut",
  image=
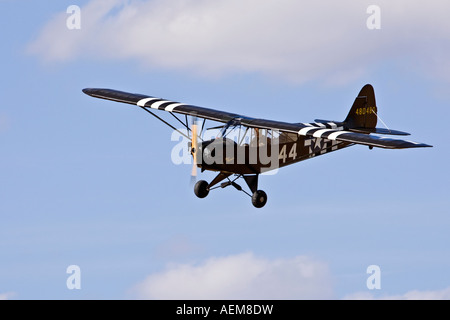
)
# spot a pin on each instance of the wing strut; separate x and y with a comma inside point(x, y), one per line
point(184, 124)
point(166, 123)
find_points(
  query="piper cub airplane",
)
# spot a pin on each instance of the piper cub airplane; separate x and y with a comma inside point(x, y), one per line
point(245, 147)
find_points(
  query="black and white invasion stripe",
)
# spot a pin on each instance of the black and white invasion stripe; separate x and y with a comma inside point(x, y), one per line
point(159, 104)
point(329, 130)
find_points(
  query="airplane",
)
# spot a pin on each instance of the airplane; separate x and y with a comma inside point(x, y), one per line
point(246, 147)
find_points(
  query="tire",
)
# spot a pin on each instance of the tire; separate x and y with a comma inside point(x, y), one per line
point(201, 189)
point(259, 199)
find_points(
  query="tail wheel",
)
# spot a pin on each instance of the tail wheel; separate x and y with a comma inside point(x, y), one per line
point(201, 189)
point(259, 199)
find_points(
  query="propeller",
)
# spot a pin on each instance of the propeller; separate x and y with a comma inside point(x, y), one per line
point(194, 149)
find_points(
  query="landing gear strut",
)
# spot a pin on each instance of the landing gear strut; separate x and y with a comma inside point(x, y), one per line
point(259, 197)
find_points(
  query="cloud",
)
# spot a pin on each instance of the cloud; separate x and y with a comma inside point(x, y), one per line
point(291, 40)
point(242, 276)
point(443, 294)
point(246, 276)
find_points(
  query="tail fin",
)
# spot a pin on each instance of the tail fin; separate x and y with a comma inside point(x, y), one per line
point(363, 113)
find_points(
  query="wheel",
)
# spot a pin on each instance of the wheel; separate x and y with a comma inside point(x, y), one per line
point(201, 189)
point(259, 199)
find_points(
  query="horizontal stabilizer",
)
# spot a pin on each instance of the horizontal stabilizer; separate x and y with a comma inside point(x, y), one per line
point(380, 142)
point(380, 131)
point(359, 138)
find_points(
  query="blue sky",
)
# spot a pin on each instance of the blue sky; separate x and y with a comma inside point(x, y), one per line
point(91, 183)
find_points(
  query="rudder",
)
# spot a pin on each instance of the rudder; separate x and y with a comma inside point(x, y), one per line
point(363, 113)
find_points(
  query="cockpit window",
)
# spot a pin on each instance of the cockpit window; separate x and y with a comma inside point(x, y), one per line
point(246, 136)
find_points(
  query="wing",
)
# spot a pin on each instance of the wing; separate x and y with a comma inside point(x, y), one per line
point(329, 130)
point(160, 104)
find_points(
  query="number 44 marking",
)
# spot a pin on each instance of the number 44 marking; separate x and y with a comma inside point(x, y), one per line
point(292, 154)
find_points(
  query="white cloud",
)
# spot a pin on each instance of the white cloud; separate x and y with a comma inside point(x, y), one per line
point(242, 276)
point(290, 39)
point(443, 294)
point(247, 277)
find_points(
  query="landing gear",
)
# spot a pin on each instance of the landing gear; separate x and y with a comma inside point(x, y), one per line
point(201, 189)
point(259, 197)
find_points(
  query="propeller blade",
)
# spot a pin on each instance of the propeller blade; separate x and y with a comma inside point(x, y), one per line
point(194, 148)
